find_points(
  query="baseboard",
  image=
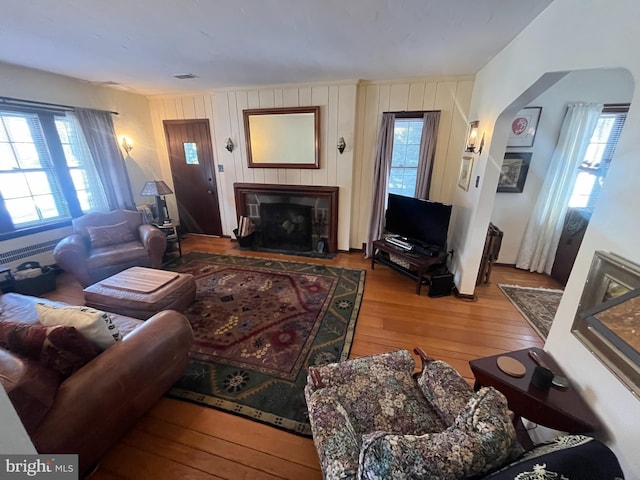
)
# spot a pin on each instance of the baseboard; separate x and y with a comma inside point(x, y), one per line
point(464, 296)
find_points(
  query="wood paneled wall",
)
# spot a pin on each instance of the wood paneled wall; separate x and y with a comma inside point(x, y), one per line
point(451, 96)
point(224, 109)
point(348, 109)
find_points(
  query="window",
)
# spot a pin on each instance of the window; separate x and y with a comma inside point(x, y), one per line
point(593, 169)
point(406, 150)
point(46, 172)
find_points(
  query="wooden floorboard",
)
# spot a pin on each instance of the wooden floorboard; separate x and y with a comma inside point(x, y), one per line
point(181, 440)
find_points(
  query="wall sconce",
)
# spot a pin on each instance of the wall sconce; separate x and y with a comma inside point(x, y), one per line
point(229, 145)
point(341, 145)
point(473, 136)
point(127, 146)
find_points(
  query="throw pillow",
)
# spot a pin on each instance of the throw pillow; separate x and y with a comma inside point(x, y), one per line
point(95, 325)
point(107, 235)
point(60, 348)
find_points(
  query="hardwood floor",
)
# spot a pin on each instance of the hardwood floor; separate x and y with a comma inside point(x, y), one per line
point(181, 440)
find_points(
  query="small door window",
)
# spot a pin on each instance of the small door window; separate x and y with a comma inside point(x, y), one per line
point(191, 153)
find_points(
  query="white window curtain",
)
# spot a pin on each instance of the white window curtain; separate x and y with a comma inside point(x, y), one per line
point(540, 243)
point(97, 127)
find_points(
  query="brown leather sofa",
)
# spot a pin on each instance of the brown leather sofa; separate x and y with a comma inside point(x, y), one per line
point(103, 244)
point(87, 412)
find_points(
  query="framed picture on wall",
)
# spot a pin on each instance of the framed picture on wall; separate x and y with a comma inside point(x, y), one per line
point(523, 128)
point(513, 173)
point(465, 172)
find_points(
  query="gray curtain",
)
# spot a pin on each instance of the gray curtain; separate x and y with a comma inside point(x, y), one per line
point(97, 127)
point(427, 154)
point(380, 180)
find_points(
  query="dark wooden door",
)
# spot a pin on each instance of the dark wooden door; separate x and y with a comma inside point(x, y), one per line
point(194, 181)
point(575, 224)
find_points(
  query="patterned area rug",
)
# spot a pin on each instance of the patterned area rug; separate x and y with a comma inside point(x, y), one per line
point(258, 324)
point(537, 305)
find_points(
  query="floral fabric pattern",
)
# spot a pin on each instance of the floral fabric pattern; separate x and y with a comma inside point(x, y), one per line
point(371, 420)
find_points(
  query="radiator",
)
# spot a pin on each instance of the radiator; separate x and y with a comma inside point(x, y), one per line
point(38, 252)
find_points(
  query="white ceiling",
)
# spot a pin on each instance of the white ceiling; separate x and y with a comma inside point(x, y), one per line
point(140, 44)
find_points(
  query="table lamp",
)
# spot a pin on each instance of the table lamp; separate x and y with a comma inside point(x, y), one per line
point(157, 188)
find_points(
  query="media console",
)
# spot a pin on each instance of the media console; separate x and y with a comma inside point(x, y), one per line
point(418, 265)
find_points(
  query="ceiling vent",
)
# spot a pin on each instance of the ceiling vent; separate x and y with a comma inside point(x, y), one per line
point(184, 76)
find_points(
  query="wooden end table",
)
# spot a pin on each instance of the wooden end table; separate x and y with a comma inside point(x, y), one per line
point(560, 409)
point(173, 237)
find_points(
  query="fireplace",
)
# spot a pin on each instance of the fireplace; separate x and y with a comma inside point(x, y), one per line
point(286, 226)
point(290, 218)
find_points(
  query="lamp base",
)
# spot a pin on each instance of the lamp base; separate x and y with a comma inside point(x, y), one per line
point(162, 210)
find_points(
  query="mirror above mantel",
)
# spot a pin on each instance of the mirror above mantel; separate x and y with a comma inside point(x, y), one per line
point(282, 137)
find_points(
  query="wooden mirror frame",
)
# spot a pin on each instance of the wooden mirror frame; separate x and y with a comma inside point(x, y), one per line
point(309, 157)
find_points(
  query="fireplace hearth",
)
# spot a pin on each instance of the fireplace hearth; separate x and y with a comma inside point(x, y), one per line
point(290, 218)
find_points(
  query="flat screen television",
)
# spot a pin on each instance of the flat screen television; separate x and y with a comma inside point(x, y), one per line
point(421, 222)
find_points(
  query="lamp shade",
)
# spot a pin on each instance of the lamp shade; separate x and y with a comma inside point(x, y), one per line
point(156, 187)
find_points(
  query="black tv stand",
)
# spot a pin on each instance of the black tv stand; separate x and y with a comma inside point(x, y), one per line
point(415, 264)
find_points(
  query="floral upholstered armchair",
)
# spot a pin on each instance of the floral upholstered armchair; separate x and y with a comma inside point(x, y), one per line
point(371, 419)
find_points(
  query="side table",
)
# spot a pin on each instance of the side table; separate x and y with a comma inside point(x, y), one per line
point(173, 236)
point(560, 409)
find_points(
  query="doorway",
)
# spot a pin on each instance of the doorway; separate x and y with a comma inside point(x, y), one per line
point(511, 211)
point(193, 173)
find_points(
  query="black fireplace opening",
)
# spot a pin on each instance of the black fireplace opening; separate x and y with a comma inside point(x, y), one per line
point(286, 226)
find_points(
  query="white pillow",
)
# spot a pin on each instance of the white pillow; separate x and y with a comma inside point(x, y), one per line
point(95, 325)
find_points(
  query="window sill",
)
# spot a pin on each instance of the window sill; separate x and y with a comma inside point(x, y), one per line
point(23, 232)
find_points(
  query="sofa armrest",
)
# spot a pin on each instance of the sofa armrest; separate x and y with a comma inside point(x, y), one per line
point(71, 252)
point(481, 439)
point(445, 389)
point(569, 456)
point(97, 404)
point(335, 439)
point(154, 241)
point(71, 255)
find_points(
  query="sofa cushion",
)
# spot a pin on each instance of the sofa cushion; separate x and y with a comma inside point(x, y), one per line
point(61, 348)
point(379, 393)
point(131, 254)
point(95, 325)
point(480, 440)
point(106, 235)
point(30, 386)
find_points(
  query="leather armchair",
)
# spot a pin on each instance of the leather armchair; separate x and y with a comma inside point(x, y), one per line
point(103, 244)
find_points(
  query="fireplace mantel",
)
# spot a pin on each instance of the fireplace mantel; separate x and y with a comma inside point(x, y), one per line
point(242, 190)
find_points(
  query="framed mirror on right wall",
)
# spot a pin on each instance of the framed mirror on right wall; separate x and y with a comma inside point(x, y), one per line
point(608, 317)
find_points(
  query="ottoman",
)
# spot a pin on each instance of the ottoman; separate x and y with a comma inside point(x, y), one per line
point(141, 292)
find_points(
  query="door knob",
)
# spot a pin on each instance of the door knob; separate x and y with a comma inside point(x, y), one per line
point(209, 192)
